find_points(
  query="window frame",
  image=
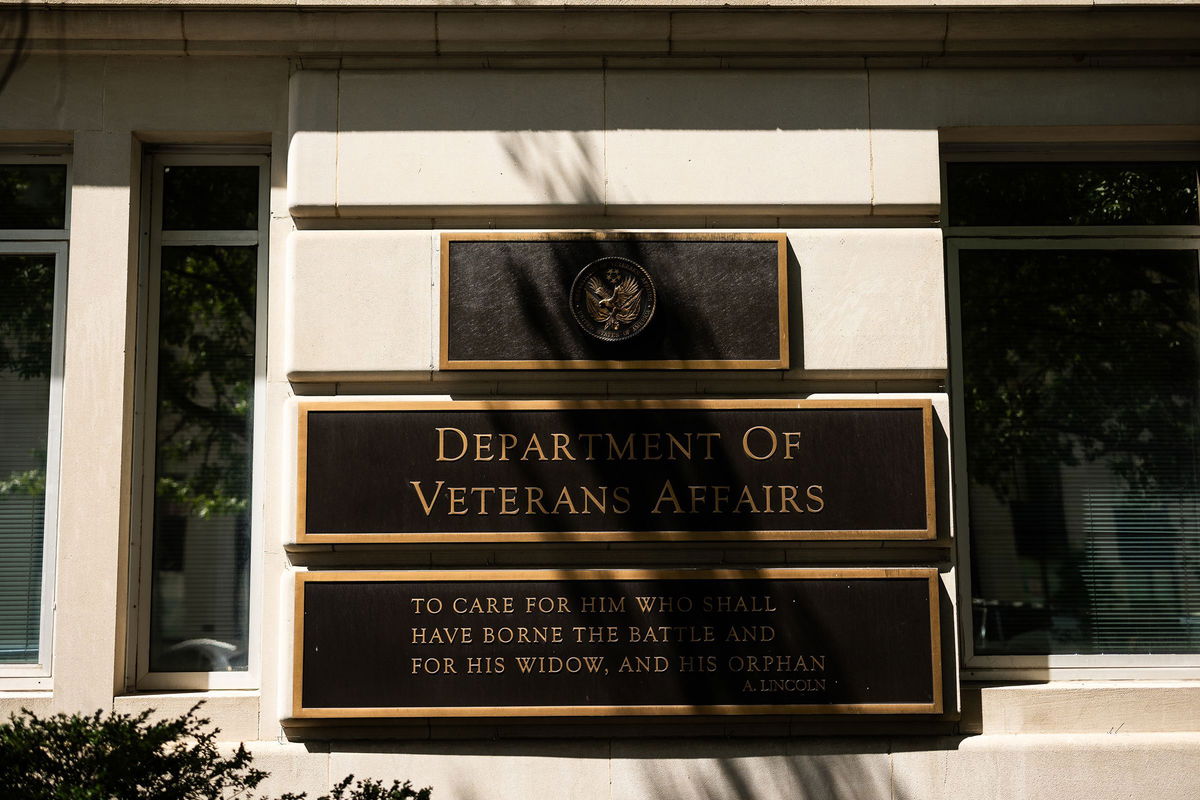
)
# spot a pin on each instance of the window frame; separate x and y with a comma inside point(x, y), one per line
point(957, 239)
point(153, 239)
point(38, 675)
point(55, 242)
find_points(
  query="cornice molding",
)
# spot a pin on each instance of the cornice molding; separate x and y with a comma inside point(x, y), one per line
point(583, 34)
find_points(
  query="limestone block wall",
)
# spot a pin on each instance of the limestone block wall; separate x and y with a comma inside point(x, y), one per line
point(372, 160)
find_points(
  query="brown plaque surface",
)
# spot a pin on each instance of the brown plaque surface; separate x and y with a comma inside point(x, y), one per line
point(616, 642)
point(721, 301)
point(615, 470)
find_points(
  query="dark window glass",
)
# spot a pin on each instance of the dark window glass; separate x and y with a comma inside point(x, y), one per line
point(1081, 380)
point(200, 603)
point(26, 325)
point(1072, 194)
point(208, 198)
point(33, 196)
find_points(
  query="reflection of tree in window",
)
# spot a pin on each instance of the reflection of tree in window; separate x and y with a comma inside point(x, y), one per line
point(203, 434)
point(1071, 194)
point(26, 329)
point(204, 422)
point(1079, 383)
point(1081, 371)
point(33, 196)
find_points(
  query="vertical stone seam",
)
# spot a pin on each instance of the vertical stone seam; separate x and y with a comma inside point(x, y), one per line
point(891, 761)
point(434, 355)
point(604, 139)
point(610, 768)
point(103, 126)
point(870, 143)
point(337, 141)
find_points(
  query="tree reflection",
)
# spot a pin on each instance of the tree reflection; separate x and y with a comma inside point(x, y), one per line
point(1076, 356)
point(33, 196)
point(205, 378)
point(203, 429)
point(26, 331)
point(1071, 194)
point(1080, 384)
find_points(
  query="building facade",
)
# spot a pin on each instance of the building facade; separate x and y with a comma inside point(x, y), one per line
point(217, 219)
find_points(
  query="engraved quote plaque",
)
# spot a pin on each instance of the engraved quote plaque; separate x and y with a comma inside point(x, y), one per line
point(617, 642)
point(381, 471)
point(609, 299)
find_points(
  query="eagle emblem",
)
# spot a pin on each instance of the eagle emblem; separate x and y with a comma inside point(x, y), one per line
point(613, 298)
point(618, 303)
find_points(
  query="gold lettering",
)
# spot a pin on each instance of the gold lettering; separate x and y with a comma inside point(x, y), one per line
point(590, 438)
point(564, 498)
point(667, 493)
point(708, 439)
point(483, 492)
point(746, 498)
point(485, 665)
point(458, 500)
point(531, 500)
point(442, 635)
point(428, 506)
point(617, 453)
point(508, 500)
point(651, 444)
point(816, 498)
point(720, 499)
point(561, 440)
point(507, 442)
point(483, 444)
point(674, 446)
point(599, 502)
point(787, 497)
point(791, 441)
point(746, 442)
point(620, 495)
point(547, 605)
point(534, 444)
point(442, 444)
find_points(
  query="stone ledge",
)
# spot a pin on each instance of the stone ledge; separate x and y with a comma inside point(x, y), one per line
point(1083, 707)
point(832, 31)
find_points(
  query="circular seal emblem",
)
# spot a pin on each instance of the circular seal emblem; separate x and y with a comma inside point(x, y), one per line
point(613, 299)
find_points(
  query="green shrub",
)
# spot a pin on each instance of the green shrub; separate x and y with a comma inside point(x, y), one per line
point(126, 757)
point(375, 790)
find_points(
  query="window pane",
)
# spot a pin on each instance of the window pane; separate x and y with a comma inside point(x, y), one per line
point(33, 196)
point(26, 323)
point(210, 198)
point(200, 604)
point(1072, 194)
point(1081, 377)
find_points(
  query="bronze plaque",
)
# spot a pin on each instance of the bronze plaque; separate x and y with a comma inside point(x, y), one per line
point(617, 642)
point(513, 300)
point(615, 470)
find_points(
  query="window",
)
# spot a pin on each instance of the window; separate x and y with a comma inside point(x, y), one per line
point(1075, 297)
point(34, 215)
point(204, 367)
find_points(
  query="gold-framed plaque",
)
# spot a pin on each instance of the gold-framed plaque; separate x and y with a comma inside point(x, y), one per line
point(620, 642)
point(606, 470)
point(613, 300)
